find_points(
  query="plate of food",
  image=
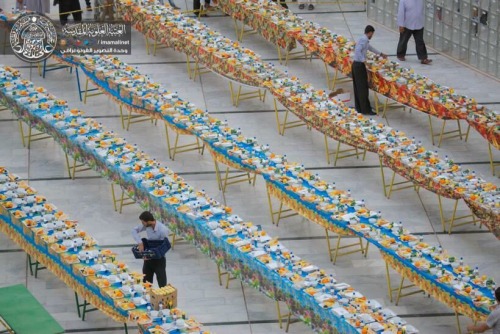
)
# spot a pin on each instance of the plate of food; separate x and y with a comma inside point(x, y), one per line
point(125, 304)
point(340, 311)
point(58, 248)
point(70, 258)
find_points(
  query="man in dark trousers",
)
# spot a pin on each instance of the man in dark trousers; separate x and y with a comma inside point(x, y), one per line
point(154, 231)
point(360, 74)
point(69, 6)
point(411, 23)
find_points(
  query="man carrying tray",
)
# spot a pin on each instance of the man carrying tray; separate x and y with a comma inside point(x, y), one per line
point(154, 231)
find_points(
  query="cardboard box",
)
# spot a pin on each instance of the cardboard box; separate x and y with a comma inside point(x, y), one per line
point(166, 295)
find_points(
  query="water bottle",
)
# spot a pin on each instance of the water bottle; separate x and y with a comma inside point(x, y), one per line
point(160, 310)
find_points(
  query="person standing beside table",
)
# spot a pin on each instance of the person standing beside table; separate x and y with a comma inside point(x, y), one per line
point(493, 320)
point(154, 231)
point(411, 23)
point(360, 74)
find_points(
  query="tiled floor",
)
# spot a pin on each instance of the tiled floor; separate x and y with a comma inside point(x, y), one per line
point(87, 198)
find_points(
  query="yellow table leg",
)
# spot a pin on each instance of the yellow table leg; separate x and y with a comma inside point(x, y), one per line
point(280, 211)
point(493, 165)
point(327, 150)
point(86, 91)
point(277, 116)
point(68, 168)
point(453, 221)
point(147, 44)
point(459, 328)
point(221, 273)
point(31, 137)
point(388, 278)
point(231, 91)
point(400, 287)
point(467, 133)
point(174, 237)
point(113, 195)
point(188, 66)
point(281, 316)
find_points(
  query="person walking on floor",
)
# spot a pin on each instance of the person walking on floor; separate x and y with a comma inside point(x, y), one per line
point(67, 7)
point(309, 3)
point(360, 74)
point(411, 23)
point(154, 231)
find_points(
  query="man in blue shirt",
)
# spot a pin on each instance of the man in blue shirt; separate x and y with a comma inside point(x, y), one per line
point(154, 231)
point(411, 23)
point(360, 74)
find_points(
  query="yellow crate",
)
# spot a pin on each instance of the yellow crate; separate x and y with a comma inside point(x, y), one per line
point(166, 295)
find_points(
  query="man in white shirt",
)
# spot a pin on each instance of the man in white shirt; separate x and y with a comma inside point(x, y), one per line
point(492, 322)
point(154, 231)
point(411, 23)
point(360, 74)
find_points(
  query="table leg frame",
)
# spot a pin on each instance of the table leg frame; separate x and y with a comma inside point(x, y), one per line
point(400, 288)
point(82, 307)
point(132, 119)
point(452, 222)
point(226, 180)
point(123, 200)
point(342, 154)
point(282, 126)
point(493, 165)
point(283, 316)
point(334, 252)
point(445, 134)
point(391, 186)
point(387, 106)
point(31, 137)
point(34, 264)
point(221, 273)
point(85, 91)
point(237, 97)
point(276, 220)
point(176, 148)
point(53, 67)
point(332, 82)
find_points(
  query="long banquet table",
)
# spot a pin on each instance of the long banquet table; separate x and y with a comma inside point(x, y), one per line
point(315, 198)
point(403, 155)
point(243, 248)
point(284, 29)
point(59, 244)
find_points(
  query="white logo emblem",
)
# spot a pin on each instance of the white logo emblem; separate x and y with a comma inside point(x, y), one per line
point(33, 37)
